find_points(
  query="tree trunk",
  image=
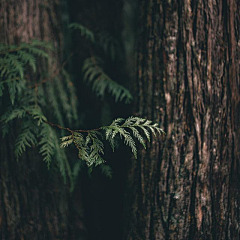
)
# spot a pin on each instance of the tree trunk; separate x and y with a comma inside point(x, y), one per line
point(34, 202)
point(186, 185)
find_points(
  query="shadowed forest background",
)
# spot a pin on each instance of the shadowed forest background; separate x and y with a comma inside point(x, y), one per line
point(68, 67)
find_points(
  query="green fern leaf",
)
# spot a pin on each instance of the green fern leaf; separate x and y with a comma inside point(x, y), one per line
point(18, 65)
point(11, 114)
point(25, 139)
point(117, 121)
point(47, 148)
point(138, 136)
point(88, 34)
point(146, 132)
point(27, 58)
point(38, 52)
point(66, 141)
point(101, 82)
point(106, 170)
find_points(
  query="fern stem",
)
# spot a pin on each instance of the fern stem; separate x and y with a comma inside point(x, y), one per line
point(70, 130)
point(58, 126)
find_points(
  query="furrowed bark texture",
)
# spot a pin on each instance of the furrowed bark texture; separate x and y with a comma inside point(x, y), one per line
point(186, 185)
point(34, 202)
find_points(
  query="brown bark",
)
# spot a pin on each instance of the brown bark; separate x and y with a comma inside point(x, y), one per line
point(186, 185)
point(34, 202)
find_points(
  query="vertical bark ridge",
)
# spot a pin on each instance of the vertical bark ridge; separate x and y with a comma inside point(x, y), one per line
point(188, 80)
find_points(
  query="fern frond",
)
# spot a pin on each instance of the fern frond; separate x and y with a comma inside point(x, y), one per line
point(101, 82)
point(47, 143)
point(11, 114)
point(37, 114)
point(25, 139)
point(85, 32)
point(117, 121)
point(16, 63)
point(90, 148)
point(106, 170)
point(12, 89)
point(27, 58)
point(146, 132)
point(38, 52)
point(95, 148)
point(128, 140)
point(66, 141)
point(5, 129)
point(108, 43)
point(112, 143)
point(119, 126)
point(138, 136)
point(43, 44)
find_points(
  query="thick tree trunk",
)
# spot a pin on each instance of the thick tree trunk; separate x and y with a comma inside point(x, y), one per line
point(34, 202)
point(186, 185)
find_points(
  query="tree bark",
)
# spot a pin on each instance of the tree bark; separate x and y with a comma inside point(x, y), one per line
point(34, 202)
point(186, 184)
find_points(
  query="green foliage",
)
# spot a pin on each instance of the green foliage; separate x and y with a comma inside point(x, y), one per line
point(93, 67)
point(13, 62)
point(106, 170)
point(46, 143)
point(101, 82)
point(11, 114)
point(102, 39)
point(32, 103)
point(31, 100)
point(26, 138)
point(90, 145)
point(108, 43)
point(85, 32)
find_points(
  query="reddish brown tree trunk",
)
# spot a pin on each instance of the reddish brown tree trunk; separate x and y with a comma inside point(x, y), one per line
point(34, 202)
point(186, 185)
